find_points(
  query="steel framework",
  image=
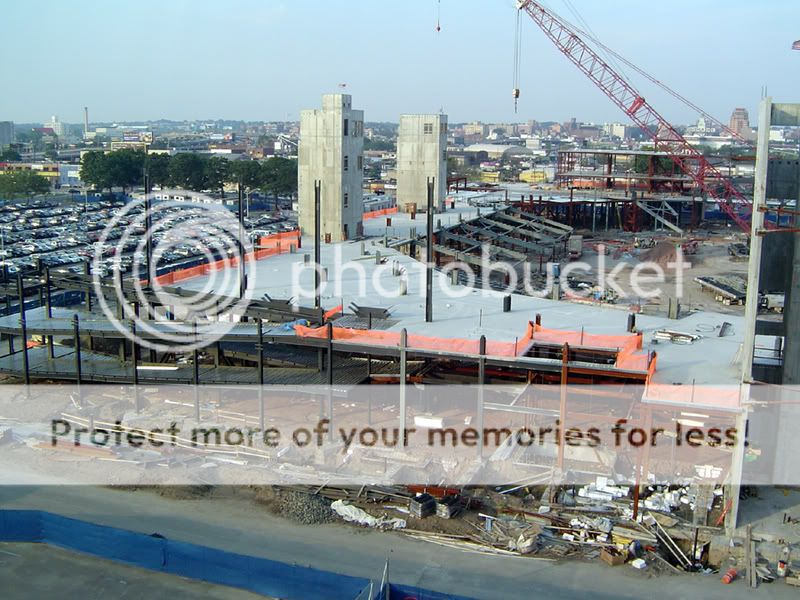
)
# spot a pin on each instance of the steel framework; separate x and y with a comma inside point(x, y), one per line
point(664, 136)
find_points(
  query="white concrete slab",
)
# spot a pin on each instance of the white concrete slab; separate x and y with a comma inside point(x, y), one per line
point(710, 360)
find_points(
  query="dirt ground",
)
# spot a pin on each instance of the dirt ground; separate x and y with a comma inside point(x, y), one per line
point(711, 258)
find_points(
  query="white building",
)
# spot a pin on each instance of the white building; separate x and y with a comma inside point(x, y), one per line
point(617, 130)
point(331, 151)
point(56, 125)
point(421, 154)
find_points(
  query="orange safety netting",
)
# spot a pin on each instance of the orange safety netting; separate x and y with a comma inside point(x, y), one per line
point(723, 397)
point(332, 312)
point(378, 213)
point(627, 346)
point(269, 245)
point(420, 342)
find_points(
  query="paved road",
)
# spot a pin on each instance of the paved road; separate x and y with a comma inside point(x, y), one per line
point(239, 525)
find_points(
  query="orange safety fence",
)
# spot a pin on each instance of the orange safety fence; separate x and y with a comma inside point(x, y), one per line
point(373, 214)
point(332, 312)
point(419, 342)
point(627, 346)
point(268, 245)
point(724, 397)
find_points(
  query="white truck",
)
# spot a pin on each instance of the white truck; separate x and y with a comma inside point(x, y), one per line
point(575, 247)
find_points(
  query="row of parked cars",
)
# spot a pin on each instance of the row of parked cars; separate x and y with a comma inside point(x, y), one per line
point(65, 236)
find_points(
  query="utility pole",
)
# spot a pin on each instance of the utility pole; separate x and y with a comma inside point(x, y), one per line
point(317, 243)
point(242, 273)
point(429, 256)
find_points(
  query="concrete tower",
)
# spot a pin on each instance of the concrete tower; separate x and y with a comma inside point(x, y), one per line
point(330, 149)
point(421, 153)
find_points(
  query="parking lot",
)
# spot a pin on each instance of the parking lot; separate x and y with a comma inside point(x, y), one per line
point(67, 236)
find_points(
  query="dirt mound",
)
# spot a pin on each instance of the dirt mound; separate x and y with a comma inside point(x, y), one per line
point(666, 252)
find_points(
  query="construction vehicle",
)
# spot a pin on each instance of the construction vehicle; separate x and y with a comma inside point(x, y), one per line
point(739, 251)
point(575, 247)
point(771, 302)
point(690, 247)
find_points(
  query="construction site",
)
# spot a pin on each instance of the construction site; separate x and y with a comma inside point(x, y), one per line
point(593, 380)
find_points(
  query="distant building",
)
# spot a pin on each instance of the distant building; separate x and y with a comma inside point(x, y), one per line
point(6, 133)
point(740, 122)
point(331, 151)
point(499, 151)
point(50, 171)
point(615, 130)
point(56, 126)
point(476, 128)
point(421, 153)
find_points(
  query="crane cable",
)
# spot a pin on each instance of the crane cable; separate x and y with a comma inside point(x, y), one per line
point(593, 37)
point(609, 55)
point(438, 16)
point(517, 58)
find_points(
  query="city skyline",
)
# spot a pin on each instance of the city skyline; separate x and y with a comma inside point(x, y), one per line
point(166, 66)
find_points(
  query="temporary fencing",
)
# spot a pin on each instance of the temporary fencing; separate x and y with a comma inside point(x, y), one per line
point(159, 553)
point(269, 245)
point(628, 346)
point(374, 214)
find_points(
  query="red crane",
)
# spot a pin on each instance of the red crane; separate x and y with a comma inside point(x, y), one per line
point(663, 135)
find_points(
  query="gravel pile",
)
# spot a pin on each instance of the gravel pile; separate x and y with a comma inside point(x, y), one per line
point(304, 508)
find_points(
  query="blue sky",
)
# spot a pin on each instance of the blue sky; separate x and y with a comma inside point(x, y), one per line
point(268, 59)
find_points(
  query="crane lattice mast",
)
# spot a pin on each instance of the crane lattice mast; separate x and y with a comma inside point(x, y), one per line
point(664, 136)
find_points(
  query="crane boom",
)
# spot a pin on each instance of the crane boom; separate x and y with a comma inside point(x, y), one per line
point(663, 135)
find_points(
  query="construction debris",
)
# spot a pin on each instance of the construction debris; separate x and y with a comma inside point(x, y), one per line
point(676, 337)
point(304, 508)
point(423, 506)
point(353, 514)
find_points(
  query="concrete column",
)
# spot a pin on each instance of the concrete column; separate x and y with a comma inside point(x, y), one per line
point(791, 320)
point(751, 303)
point(196, 373)
point(23, 329)
point(756, 241)
point(402, 411)
point(481, 382)
point(76, 339)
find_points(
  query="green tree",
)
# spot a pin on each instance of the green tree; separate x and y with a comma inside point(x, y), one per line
point(217, 172)
point(246, 171)
point(17, 184)
point(126, 167)
point(279, 176)
point(158, 169)
point(187, 171)
point(380, 145)
point(662, 165)
point(10, 155)
point(95, 170)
